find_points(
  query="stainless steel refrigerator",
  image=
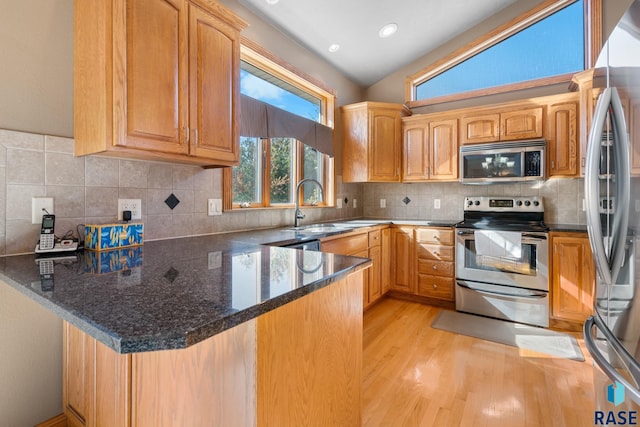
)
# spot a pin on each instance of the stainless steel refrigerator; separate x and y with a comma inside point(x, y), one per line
point(612, 200)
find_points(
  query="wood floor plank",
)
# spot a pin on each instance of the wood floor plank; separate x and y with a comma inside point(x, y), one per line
point(415, 375)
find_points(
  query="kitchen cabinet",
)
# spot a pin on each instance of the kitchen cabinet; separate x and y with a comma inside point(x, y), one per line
point(506, 125)
point(248, 375)
point(157, 80)
point(372, 142)
point(385, 256)
point(562, 138)
point(402, 259)
point(572, 277)
point(436, 262)
point(366, 244)
point(430, 149)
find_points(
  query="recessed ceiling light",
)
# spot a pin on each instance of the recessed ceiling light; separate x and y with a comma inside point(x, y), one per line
point(334, 48)
point(388, 30)
point(272, 1)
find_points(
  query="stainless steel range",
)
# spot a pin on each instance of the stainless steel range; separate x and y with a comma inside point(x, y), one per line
point(502, 253)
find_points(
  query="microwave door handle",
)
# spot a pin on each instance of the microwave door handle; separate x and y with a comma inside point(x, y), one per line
point(592, 186)
point(622, 180)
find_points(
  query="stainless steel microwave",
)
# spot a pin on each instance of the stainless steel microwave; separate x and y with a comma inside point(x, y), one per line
point(502, 162)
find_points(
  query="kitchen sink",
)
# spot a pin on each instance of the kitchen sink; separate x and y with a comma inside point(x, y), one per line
point(320, 228)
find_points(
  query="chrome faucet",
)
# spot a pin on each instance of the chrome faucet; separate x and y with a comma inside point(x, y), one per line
point(298, 214)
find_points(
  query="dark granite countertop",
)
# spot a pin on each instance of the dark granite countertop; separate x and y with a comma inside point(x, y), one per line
point(173, 293)
point(567, 227)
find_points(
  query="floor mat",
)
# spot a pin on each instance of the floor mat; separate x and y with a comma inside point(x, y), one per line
point(513, 334)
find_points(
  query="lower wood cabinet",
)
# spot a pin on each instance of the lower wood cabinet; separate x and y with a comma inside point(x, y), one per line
point(423, 261)
point(402, 251)
point(285, 367)
point(572, 277)
point(373, 244)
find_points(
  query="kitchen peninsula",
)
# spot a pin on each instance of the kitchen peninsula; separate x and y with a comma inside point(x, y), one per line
point(204, 331)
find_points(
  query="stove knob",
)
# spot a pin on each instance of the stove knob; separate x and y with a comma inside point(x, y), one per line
point(527, 203)
point(470, 202)
point(536, 203)
point(477, 203)
point(519, 203)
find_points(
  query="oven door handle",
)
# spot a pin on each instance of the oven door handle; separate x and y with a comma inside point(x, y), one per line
point(532, 295)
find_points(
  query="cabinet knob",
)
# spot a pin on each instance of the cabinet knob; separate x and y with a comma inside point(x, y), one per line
point(436, 237)
point(435, 267)
point(435, 286)
point(436, 253)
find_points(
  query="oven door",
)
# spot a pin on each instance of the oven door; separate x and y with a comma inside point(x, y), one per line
point(530, 270)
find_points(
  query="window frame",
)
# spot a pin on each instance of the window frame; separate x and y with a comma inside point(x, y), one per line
point(592, 39)
point(259, 57)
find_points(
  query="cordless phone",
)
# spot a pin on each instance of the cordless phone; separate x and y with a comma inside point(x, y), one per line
point(47, 236)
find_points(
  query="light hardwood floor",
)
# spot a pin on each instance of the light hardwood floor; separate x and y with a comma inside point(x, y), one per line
point(418, 376)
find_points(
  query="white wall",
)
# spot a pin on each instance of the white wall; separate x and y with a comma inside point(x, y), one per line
point(30, 361)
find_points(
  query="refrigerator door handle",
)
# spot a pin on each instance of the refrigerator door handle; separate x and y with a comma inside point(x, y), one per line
point(592, 187)
point(602, 362)
point(623, 184)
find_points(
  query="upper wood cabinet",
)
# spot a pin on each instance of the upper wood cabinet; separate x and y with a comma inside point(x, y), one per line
point(372, 142)
point(430, 149)
point(562, 137)
point(572, 277)
point(158, 80)
point(502, 126)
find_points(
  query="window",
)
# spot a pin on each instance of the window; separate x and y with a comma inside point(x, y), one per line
point(270, 168)
point(545, 46)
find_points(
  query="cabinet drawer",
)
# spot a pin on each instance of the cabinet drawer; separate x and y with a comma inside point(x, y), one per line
point(439, 236)
point(347, 245)
point(435, 287)
point(435, 252)
point(374, 238)
point(437, 268)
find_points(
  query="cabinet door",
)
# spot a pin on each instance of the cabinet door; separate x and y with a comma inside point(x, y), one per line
point(214, 69)
point(385, 142)
point(480, 128)
point(415, 164)
point(443, 150)
point(385, 260)
point(375, 289)
point(150, 97)
point(402, 259)
point(573, 278)
point(562, 144)
point(521, 124)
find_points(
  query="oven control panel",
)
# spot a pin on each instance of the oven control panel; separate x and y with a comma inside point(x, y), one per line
point(503, 204)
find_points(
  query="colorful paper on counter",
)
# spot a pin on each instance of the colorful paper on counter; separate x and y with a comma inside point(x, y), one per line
point(100, 237)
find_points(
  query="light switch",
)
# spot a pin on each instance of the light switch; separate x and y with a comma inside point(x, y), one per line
point(339, 203)
point(214, 207)
point(383, 203)
point(436, 203)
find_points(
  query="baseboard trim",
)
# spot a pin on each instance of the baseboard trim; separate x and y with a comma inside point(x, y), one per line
point(57, 421)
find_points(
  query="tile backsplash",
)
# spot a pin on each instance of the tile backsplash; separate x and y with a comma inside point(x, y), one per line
point(87, 189)
point(562, 199)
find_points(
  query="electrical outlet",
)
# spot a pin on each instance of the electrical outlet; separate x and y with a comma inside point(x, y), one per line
point(37, 206)
point(133, 205)
point(214, 207)
point(436, 203)
point(355, 203)
point(637, 205)
point(383, 203)
point(338, 203)
point(215, 260)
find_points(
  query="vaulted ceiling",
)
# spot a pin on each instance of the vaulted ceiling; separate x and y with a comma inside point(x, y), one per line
point(354, 25)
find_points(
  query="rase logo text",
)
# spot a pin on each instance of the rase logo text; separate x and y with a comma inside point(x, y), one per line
point(615, 395)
